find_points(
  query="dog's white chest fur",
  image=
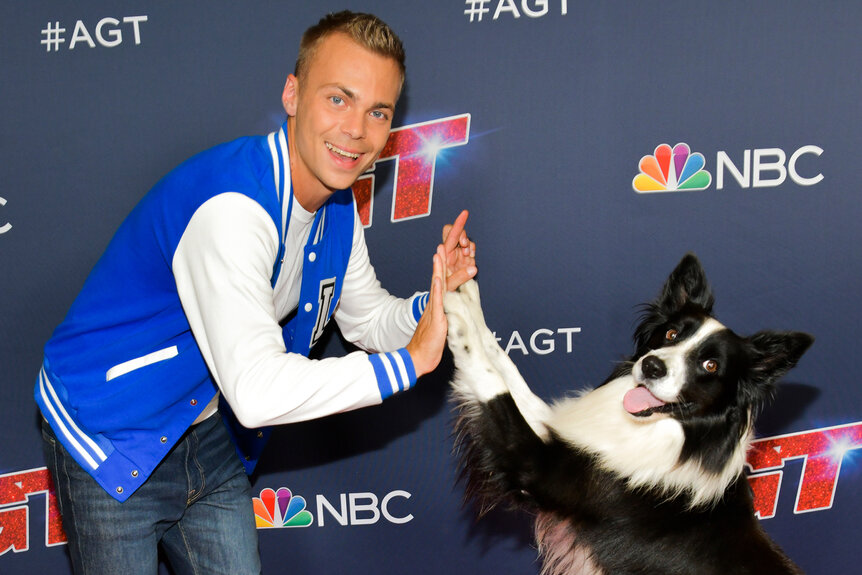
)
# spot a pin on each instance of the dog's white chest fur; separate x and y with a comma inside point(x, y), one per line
point(597, 422)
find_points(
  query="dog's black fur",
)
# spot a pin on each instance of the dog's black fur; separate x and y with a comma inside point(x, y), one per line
point(644, 474)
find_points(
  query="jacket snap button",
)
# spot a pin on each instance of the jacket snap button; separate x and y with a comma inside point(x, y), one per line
point(312, 256)
point(164, 439)
point(119, 489)
point(194, 402)
point(308, 307)
point(135, 473)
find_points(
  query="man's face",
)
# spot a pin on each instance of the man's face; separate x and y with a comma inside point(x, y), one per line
point(342, 112)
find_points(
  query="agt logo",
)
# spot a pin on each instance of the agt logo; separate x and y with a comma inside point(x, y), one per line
point(414, 149)
point(478, 9)
point(677, 169)
point(108, 32)
point(543, 341)
point(282, 508)
point(822, 452)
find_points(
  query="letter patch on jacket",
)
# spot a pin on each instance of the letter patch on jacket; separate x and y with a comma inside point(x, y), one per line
point(324, 301)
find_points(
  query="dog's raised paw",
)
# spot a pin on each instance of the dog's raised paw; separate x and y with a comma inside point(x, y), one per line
point(470, 289)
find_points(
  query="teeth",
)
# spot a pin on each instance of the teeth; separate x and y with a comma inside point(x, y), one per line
point(341, 152)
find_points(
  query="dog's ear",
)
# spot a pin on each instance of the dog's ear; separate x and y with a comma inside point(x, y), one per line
point(774, 353)
point(686, 285)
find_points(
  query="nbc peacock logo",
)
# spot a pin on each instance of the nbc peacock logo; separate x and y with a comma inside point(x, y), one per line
point(280, 508)
point(672, 170)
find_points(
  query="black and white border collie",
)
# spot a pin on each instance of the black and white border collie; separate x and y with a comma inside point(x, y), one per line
point(643, 474)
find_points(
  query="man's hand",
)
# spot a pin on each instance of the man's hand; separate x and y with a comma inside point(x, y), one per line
point(460, 253)
point(428, 341)
point(454, 264)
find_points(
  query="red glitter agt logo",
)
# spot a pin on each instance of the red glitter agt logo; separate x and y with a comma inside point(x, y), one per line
point(15, 492)
point(822, 451)
point(414, 149)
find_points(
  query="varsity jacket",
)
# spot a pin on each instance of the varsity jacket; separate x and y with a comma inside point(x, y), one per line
point(208, 286)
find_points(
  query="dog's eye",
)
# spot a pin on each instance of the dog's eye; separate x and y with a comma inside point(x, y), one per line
point(710, 365)
point(671, 335)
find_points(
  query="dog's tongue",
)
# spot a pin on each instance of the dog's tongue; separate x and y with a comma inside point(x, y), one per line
point(639, 399)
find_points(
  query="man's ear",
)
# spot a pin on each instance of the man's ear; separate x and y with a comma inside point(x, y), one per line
point(290, 95)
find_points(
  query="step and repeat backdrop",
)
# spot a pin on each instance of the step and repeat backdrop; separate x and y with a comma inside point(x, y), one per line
point(594, 143)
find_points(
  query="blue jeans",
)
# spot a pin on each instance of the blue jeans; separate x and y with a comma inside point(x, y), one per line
point(196, 505)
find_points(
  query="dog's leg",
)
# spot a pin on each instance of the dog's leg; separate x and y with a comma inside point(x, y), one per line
point(532, 407)
point(478, 356)
point(499, 443)
point(476, 379)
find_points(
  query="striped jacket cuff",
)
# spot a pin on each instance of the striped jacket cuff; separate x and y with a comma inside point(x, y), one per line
point(420, 302)
point(394, 371)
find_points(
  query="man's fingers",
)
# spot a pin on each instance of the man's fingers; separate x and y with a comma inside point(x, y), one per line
point(443, 265)
point(436, 279)
point(446, 229)
point(453, 236)
point(458, 278)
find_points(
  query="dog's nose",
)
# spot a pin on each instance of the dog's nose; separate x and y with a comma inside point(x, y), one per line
point(653, 367)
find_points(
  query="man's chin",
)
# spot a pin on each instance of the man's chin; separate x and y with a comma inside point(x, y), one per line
point(343, 179)
point(336, 184)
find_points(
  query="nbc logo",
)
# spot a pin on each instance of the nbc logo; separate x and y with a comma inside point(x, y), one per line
point(280, 509)
point(678, 170)
point(670, 170)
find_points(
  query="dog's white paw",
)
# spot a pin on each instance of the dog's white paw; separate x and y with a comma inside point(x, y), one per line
point(477, 378)
point(470, 290)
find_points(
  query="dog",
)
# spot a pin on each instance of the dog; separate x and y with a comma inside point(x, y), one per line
point(644, 473)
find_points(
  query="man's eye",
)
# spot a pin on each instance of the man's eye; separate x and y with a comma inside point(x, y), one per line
point(378, 115)
point(336, 100)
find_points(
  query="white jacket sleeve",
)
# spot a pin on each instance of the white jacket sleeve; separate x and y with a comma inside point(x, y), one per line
point(367, 314)
point(223, 266)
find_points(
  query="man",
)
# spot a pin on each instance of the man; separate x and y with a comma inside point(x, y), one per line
point(217, 285)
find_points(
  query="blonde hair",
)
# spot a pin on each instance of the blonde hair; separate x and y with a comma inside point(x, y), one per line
point(366, 30)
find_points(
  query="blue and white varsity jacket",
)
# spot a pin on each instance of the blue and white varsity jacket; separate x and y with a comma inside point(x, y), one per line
point(189, 300)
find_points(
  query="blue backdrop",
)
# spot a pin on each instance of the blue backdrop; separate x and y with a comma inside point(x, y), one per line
point(546, 120)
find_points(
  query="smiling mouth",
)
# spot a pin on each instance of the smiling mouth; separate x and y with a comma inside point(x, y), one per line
point(342, 153)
